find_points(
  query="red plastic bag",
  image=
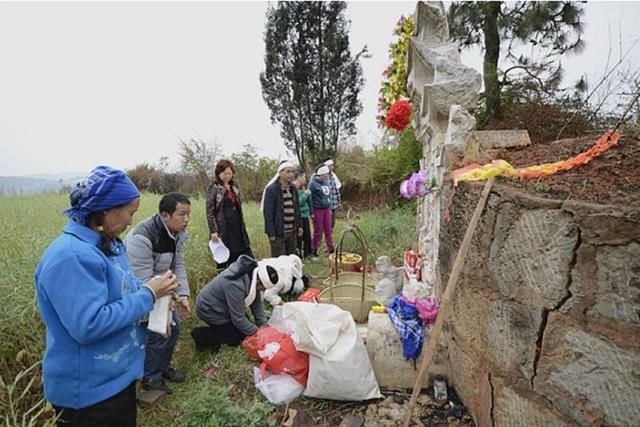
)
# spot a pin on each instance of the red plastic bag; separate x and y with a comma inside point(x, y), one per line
point(256, 342)
point(310, 295)
point(278, 353)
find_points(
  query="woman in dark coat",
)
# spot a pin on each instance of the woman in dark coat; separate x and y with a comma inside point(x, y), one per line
point(224, 213)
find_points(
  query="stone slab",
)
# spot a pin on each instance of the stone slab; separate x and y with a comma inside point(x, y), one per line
point(385, 353)
point(492, 139)
point(605, 224)
point(618, 278)
point(513, 410)
point(482, 146)
point(532, 252)
point(587, 377)
point(512, 333)
point(471, 378)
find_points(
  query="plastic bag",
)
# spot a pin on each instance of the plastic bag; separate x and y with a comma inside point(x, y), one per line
point(310, 295)
point(277, 388)
point(253, 343)
point(428, 309)
point(416, 290)
point(278, 353)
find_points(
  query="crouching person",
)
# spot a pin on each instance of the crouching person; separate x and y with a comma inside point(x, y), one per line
point(222, 303)
point(155, 246)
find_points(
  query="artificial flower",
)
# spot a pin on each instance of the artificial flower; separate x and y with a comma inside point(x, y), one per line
point(418, 185)
point(399, 115)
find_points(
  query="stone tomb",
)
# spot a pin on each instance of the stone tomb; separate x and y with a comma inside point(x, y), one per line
point(546, 316)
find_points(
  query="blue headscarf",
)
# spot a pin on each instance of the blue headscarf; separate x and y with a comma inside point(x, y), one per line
point(104, 188)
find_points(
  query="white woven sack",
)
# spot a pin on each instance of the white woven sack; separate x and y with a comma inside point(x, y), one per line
point(339, 366)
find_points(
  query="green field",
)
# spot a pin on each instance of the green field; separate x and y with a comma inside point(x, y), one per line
point(32, 222)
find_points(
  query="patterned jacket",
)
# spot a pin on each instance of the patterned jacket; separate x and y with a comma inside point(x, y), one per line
point(215, 213)
point(334, 195)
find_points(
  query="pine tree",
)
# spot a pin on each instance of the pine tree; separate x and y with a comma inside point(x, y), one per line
point(311, 82)
point(551, 28)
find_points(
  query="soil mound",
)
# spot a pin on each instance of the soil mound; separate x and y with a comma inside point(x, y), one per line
point(613, 178)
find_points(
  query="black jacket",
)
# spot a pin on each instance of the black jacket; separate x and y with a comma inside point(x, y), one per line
point(215, 213)
point(274, 212)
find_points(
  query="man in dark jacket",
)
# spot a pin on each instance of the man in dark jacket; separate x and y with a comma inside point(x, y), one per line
point(154, 246)
point(282, 222)
point(222, 303)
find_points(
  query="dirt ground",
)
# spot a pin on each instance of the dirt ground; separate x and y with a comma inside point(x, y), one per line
point(613, 178)
point(389, 412)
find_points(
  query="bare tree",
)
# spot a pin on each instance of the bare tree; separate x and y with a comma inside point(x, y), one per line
point(198, 157)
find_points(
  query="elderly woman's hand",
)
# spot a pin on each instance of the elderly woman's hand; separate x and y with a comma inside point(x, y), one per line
point(163, 285)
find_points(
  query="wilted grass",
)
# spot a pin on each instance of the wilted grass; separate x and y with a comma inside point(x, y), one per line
point(387, 232)
point(29, 224)
point(230, 399)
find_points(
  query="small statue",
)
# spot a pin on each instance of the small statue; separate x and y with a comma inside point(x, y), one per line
point(391, 283)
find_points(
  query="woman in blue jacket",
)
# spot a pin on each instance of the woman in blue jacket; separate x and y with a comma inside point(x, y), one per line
point(92, 304)
point(321, 203)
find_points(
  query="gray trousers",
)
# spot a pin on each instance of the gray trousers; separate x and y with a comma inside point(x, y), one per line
point(286, 245)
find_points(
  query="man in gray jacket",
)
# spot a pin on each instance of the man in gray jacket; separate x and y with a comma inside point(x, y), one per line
point(153, 247)
point(222, 303)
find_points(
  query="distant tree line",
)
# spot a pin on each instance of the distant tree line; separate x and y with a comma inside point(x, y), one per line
point(370, 177)
point(198, 159)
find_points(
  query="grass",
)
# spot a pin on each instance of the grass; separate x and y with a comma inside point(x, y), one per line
point(230, 399)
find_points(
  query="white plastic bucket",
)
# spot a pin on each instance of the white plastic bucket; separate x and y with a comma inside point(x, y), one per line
point(219, 251)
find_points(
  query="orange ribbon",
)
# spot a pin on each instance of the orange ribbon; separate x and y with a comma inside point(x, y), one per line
point(476, 172)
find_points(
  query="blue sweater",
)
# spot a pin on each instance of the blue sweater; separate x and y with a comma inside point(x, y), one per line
point(320, 193)
point(91, 305)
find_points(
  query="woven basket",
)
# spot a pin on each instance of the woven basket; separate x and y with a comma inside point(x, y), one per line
point(349, 298)
point(344, 290)
point(344, 265)
point(352, 278)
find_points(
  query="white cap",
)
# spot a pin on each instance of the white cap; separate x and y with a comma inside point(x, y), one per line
point(328, 162)
point(285, 164)
point(323, 170)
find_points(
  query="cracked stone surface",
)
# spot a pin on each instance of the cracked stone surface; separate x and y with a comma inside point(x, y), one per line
point(511, 409)
point(532, 256)
point(618, 295)
point(589, 378)
point(545, 328)
point(546, 317)
point(512, 331)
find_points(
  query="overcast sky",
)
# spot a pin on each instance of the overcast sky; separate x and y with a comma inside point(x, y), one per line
point(92, 83)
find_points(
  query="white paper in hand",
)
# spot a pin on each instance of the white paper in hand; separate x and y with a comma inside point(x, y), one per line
point(160, 316)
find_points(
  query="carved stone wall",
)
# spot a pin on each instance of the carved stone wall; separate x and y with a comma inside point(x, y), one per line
point(546, 316)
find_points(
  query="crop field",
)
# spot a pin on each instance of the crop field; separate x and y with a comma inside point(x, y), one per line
point(228, 398)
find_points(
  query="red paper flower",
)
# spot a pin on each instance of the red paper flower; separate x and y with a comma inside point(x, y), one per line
point(398, 116)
